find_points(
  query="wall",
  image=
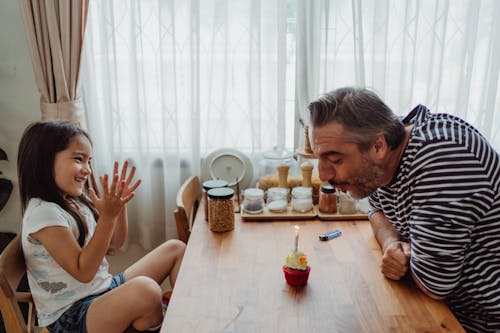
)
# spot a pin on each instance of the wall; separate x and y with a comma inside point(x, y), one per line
point(19, 101)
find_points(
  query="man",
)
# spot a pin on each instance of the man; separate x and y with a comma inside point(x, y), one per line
point(433, 182)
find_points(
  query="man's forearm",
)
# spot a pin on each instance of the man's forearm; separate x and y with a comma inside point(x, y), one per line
point(384, 231)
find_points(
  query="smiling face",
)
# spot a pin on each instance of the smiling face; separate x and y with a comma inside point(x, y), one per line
point(343, 165)
point(72, 166)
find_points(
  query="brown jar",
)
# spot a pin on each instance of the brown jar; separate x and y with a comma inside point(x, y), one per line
point(220, 209)
point(207, 186)
point(327, 199)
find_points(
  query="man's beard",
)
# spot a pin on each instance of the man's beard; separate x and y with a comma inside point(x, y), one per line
point(368, 179)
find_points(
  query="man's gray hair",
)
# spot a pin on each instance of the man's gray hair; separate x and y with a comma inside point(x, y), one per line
point(361, 112)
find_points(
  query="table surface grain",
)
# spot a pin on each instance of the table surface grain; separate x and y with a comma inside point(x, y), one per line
point(233, 282)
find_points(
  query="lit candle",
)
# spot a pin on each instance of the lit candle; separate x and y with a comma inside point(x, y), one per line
point(296, 237)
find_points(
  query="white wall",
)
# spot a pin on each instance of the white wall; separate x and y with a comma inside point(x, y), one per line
point(19, 102)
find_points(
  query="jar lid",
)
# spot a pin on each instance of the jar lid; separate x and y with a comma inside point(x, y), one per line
point(327, 188)
point(302, 191)
point(278, 154)
point(214, 183)
point(253, 193)
point(277, 190)
point(221, 193)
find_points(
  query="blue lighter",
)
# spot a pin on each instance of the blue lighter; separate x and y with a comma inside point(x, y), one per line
point(330, 235)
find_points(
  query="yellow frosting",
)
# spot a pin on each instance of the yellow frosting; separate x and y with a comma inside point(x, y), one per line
point(296, 260)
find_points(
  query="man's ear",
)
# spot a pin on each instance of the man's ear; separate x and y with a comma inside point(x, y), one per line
point(379, 147)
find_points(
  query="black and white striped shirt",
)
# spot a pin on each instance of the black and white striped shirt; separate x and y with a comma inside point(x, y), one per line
point(445, 200)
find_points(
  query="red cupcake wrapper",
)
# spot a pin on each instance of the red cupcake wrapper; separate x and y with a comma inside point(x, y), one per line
point(296, 277)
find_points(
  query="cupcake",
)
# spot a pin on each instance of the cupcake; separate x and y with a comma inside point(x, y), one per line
point(296, 269)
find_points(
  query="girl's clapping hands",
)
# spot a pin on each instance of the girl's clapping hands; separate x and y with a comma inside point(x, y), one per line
point(114, 197)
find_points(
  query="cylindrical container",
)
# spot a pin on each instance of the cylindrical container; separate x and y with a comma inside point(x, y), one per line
point(277, 199)
point(220, 209)
point(253, 201)
point(207, 186)
point(283, 175)
point(327, 199)
point(302, 199)
point(347, 204)
point(307, 169)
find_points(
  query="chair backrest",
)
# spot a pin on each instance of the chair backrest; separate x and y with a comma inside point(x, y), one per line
point(12, 269)
point(188, 199)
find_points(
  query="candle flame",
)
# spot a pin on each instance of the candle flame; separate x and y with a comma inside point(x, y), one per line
point(296, 228)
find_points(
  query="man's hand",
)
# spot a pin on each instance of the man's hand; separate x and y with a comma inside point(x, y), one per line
point(395, 260)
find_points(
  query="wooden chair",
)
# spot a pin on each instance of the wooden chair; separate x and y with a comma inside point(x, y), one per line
point(188, 200)
point(12, 269)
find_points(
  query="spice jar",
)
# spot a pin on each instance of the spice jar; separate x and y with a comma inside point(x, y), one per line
point(302, 199)
point(220, 209)
point(347, 204)
point(253, 201)
point(207, 186)
point(277, 199)
point(327, 199)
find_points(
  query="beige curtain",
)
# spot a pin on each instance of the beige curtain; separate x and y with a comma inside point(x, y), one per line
point(54, 29)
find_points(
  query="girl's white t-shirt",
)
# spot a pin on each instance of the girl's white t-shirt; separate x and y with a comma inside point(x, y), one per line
point(53, 289)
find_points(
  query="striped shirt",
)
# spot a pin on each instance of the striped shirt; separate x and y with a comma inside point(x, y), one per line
point(445, 200)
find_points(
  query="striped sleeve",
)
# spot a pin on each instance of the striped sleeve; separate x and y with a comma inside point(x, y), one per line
point(452, 191)
point(374, 204)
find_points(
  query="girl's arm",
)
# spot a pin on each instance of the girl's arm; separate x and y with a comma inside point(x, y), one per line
point(121, 228)
point(83, 263)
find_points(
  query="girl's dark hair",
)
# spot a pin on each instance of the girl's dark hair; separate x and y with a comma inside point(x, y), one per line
point(40, 143)
point(361, 112)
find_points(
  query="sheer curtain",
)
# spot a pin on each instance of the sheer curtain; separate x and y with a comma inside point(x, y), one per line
point(444, 54)
point(167, 82)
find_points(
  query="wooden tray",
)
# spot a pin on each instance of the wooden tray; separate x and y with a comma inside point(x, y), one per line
point(337, 216)
point(290, 214)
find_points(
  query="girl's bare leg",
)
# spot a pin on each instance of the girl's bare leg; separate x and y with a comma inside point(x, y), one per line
point(163, 261)
point(136, 302)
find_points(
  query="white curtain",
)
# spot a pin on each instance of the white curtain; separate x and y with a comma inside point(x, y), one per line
point(441, 53)
point(167, 82)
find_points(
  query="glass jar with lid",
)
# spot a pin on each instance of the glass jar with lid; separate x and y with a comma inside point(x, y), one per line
point(327, 199)
point(207, 186)
point(347, 204)
point(253, 201)
point(302, 199)
point(268, 167)
point(277, 199)
point(220, 209)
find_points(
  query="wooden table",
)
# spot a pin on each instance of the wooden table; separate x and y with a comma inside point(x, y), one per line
point(233, 282)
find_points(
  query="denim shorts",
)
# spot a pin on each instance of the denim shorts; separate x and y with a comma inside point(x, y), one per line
point(73, 320)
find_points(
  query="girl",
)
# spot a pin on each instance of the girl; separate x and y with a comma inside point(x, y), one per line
point(67, 231)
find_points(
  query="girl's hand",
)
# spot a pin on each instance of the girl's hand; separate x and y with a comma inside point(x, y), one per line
point(128, 180)
point(113, 198)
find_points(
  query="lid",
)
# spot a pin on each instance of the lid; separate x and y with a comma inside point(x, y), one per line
point(253, 193)
point(281, 191)
point(327, 188)
point(278, 154)
point(221, 193)
point(302, 191)
point(214, 183)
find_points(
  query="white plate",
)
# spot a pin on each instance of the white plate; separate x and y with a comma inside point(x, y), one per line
point(228, 164)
